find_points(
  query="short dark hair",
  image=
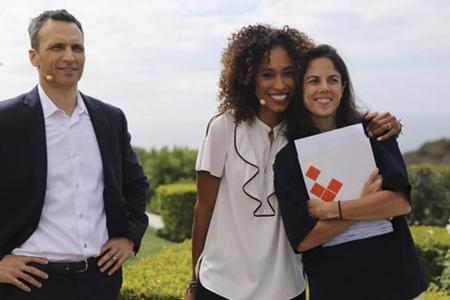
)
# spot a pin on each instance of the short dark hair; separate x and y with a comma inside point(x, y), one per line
point(299, 121)
point(55, 15)
point(240, 60)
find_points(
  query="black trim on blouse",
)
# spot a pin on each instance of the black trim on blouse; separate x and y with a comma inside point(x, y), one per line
point(255, 212)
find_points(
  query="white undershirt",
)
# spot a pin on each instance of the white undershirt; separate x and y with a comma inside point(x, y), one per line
point(73, 222)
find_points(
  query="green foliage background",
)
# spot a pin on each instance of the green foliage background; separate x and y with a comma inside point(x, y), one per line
point(165, 275)
point(160, 277)
point(430, 194)
point(433, 152)
point(176, 202)
point(166, 166)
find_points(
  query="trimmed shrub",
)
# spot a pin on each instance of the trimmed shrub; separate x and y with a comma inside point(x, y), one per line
point(433, 294)
point(433, 246)
point(165, 166)
point(445, 276)
point(176, 204)
point(163, 276)
point(430, 194)
point(153, 205)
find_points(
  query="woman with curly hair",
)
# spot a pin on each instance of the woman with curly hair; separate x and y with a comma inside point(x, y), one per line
point(239, 248)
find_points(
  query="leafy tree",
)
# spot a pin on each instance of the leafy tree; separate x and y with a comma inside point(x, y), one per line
point(169, 166)
point(430, 194)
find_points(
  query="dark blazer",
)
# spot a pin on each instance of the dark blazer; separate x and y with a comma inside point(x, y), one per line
point(381, 267)
point(23, 170)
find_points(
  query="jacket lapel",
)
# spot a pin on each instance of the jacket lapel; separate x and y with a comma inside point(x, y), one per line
point(35, 131)
point(103, 134)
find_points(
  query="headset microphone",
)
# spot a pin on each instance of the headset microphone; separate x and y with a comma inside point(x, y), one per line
point(47, 76)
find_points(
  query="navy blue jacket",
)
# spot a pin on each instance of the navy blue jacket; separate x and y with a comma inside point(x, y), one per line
point(23, 170)
point(384, 267)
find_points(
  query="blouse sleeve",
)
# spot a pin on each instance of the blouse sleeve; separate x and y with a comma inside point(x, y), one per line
point(392, 168)
point(292, 195)
point(213, 151)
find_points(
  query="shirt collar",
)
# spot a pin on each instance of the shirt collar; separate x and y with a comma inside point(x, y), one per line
point(267, 128)
point(49, 108)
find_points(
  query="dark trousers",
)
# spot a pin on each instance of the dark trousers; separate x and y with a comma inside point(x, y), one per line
point(201, 293)
point(89, 285)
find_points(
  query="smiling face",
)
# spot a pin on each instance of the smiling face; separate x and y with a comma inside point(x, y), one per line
point(60, 54)
point(274, 82)
point(322, 92)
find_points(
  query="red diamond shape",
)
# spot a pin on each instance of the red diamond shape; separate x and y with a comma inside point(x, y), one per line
point(328, 196)
point(313, 173)
point(334, 185)
point(317, 190)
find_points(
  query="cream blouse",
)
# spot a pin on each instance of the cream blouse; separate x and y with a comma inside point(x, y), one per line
point(246, 254)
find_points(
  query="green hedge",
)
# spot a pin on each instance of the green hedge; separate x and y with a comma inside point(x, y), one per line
point(430, 194)
point(169, 165)
point(432, 294)
point(165, 275)
point(445, 277)
point(176, 203)
point(433, 247)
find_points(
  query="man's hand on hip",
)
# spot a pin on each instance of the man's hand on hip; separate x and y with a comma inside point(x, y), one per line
point(14, 270)
point(114, 253)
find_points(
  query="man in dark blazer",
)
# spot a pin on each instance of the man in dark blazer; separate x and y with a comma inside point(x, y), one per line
point(72, 193)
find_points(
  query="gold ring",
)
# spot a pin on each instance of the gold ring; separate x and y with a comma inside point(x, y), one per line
point(114, 258)
point(387, 126)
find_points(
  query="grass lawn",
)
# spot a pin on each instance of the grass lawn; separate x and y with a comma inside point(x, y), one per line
point(151, 244)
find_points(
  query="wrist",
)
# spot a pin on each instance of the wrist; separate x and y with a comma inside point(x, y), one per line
point(192, 285)
point(331, 210)
point(339, 205)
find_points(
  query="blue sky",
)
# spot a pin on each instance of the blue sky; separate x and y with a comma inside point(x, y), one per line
point(159, 60)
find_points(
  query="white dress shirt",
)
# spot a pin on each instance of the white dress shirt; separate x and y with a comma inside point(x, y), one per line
point(73, 221)
point(246, 253)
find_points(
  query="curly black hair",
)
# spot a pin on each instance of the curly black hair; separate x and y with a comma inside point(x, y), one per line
point(241, 59)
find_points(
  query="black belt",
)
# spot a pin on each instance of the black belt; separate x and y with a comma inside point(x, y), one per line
point(67, 267)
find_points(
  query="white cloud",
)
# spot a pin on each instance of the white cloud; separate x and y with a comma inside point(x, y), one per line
point(159, 60)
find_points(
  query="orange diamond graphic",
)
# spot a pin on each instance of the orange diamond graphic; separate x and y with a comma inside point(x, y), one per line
point(317, 190)
point(313, 173)
point(328, 196)
point(334, 185)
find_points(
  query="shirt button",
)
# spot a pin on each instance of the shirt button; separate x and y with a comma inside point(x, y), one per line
point(85, 245)
point(72, 154)
point(81, 216)
point(77, 184)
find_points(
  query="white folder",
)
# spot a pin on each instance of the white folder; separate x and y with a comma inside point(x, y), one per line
point(335, 166)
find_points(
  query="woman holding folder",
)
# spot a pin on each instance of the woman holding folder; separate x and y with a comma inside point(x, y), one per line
point(380, 267)
point(239, 248)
